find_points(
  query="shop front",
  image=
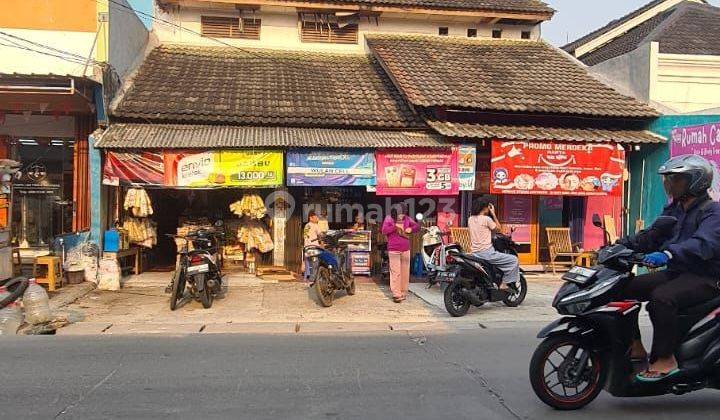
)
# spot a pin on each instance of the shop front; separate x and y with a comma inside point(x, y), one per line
point(157, 197)
point(544, 186)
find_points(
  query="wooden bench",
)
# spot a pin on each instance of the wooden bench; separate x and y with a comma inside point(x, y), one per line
point(123, 254)
point(560, 245)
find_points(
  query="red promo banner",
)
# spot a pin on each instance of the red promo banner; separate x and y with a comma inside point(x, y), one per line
point(423, 172)
point(557, 168)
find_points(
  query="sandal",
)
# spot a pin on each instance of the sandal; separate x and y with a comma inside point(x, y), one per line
point(397, 300)
point(656, 376)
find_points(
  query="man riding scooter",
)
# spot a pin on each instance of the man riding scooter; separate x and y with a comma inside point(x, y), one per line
point(691, 255)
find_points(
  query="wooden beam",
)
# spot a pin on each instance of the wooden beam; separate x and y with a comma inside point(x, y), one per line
point(530, 16)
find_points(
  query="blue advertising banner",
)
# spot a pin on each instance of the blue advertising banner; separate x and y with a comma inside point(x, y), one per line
point(328, 168)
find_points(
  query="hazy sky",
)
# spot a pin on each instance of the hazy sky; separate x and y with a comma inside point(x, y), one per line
point(574, 18)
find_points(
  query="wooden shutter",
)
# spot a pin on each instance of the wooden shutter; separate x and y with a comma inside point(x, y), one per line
point(328, 33)
point(229, 27)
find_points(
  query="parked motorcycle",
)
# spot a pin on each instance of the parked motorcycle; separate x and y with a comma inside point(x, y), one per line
point(473, 281)
point(435, 251)
point(330, 269)
point(588, 349)
point(200, 269)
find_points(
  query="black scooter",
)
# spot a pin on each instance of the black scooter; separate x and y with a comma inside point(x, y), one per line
point(588, 349)
point(473, 281)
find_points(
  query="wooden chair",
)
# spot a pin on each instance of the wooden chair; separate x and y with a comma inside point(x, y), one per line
point(461, 236)
point(610, 228)
point(560, 245)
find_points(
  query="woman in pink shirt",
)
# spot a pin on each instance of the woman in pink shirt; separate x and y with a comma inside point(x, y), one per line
point(397, 227)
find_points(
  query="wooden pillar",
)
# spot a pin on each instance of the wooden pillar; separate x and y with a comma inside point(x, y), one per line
point(84, 126)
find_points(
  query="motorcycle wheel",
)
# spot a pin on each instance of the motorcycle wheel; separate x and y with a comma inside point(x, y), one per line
point(517, 298)
point(323, 286)
point(178, 289)
point(551, 377)
point(206, 295)
point(456, 304)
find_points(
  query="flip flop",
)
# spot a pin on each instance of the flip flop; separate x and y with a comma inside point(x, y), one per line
point(640, 376)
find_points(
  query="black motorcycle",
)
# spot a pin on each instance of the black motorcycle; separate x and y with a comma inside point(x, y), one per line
point(199, 269)
point(329, 266)
point(588, 349)
point(473, 281)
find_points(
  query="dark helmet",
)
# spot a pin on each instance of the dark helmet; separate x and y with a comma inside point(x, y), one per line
point(697, 170)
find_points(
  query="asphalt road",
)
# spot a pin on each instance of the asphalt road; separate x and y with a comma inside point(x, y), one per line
point(477, 374)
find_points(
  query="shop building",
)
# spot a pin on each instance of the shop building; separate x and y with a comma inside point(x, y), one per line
point(665, 54)
point(551, 140)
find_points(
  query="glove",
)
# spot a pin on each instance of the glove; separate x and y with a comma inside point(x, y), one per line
point(656, 259)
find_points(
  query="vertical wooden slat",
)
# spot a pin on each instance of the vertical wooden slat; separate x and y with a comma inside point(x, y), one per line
point(84, 125)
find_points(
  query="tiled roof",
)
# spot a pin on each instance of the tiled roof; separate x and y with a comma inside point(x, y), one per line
point(182, 136)
point(497, 75)
point(625, 43)
point(510, 132)
point(479, 5)
point(676, 30)
point(263, 87)
point(571, 47)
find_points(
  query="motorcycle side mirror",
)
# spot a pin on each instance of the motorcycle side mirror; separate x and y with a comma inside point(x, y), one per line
point(664, 223)
point(419, 217)
point(596, 220)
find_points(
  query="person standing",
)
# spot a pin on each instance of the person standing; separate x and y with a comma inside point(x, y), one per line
point(482, 224)
point(311, 237)
point(398, 227)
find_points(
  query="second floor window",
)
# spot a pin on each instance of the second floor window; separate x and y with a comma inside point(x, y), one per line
point(328, 28)
point(230, 27)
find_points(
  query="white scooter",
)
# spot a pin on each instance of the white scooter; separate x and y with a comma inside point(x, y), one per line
point(434, 250)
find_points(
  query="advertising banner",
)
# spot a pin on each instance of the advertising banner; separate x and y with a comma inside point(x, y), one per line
point(557, 168)
point(467, 158)
point(192, 169)
point(701, 140)
point(328, 168)
point(425, 172)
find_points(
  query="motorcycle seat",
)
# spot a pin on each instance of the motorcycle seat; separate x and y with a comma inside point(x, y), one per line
point(700, 310)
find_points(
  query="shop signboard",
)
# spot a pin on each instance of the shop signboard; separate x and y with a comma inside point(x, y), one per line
point(195, 169)
point(517, 215)
point(330, 168)
point(557, 168)
point(418, 172)
point(467, 158)
point(701, 140)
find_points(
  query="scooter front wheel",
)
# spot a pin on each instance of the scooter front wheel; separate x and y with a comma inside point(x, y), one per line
point(565, 373)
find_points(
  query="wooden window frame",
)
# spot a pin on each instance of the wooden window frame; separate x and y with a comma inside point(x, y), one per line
point(251, 27)
point(327, 33)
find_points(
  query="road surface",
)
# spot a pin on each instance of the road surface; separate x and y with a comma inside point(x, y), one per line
point(472, 374)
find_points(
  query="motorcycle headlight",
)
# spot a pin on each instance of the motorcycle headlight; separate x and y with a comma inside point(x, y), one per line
point(593, 292)
point(312, 252)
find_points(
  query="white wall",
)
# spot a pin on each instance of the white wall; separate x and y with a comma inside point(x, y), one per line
point(128, 37)
point(280, 30)
point(15, 60)
point(629, 73)
point(687, 83)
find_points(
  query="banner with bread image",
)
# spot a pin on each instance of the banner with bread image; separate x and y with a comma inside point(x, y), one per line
point(430, 172)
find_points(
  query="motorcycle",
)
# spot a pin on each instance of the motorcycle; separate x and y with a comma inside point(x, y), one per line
point(199, 269)
point(435, 252)
point(588, 349)
point(330, 269)
point(473, 281)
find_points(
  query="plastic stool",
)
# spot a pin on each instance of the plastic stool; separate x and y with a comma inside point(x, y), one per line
point(54, 271)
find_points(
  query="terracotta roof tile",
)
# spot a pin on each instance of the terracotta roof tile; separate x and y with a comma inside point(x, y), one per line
point(516, 132)
point(264, 87)
point(497, 75)
point(479, 5)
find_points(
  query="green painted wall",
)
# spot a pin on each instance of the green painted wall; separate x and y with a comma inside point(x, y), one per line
point(646, 203)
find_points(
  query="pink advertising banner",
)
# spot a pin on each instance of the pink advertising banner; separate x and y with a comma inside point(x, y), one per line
point(701, 140)
point(422, 172)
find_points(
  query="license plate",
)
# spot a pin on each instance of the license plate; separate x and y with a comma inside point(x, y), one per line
point(579, 275)
point(446, 276)
point(202, 268)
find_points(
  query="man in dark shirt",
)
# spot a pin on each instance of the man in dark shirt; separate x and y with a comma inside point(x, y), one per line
point(691, 254)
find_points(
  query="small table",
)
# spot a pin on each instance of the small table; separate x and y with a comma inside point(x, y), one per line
point(130, 252)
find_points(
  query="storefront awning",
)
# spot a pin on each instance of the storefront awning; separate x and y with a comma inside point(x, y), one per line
point(514, 132)
point(181, 136)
